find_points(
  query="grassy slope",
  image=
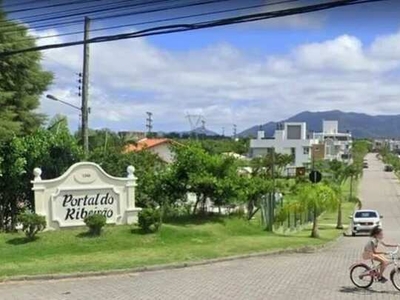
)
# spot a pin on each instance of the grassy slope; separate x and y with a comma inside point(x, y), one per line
point(70, 251)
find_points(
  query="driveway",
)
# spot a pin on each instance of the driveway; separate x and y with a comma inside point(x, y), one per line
point(322, 275)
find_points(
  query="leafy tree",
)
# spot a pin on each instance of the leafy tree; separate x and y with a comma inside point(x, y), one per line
point(220, 146)
point(213, 177)
point(316, 198)
point(252, 190)
point(22, 81)
point(147, 165)
point(54, 153)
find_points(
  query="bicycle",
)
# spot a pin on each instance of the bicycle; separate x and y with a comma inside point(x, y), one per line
point(367, 275)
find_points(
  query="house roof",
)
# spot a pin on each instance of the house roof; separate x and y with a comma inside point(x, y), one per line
point(147, 144)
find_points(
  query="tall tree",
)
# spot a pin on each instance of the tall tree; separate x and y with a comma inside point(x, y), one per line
point(22, 81)
point(52, 152)
point(316, 198)
point(338, 173)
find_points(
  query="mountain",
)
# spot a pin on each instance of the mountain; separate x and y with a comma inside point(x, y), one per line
point(203, 131)
point(360, 125)
point(198, 131)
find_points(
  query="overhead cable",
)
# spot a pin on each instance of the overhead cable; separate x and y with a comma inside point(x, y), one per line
point(196, 26)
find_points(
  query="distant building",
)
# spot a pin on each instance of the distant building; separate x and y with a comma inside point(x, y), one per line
point(160, 147)
point(293, 139)
point(289, 138)
point(337, 144)
point(392, 145)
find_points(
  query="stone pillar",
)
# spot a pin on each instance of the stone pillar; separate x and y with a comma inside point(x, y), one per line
point(131, 210)
point(39, 193)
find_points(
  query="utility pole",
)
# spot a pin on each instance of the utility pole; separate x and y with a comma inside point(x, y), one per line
point(149, 123)
point(203, 127)
point(234, 131)
point(85, 89)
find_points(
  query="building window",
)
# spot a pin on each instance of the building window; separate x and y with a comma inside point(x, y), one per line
point(306, 150)
point(293, 132)
point(293, 154)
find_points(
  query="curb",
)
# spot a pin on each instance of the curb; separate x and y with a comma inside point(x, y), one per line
point(305, 250)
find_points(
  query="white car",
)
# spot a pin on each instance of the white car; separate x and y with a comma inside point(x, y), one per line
point(364, 220)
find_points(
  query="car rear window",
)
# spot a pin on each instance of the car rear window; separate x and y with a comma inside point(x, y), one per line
point(365, 214)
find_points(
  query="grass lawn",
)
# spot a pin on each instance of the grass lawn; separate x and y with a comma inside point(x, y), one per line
point(121, 247)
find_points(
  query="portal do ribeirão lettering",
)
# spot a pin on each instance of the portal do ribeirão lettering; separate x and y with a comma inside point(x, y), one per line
point(83, 190)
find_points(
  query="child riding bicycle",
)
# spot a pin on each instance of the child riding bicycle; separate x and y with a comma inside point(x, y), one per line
point(370, 251)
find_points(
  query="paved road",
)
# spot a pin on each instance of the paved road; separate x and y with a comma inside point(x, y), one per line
point(318, 276)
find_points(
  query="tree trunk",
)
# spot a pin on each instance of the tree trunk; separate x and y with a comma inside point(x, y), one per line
point(1, 219)
point(196, 204)
point(314, 232)
point(13, 223)
point(250, 208)
point(339, 224)
point(253, 213)
point(351, 188)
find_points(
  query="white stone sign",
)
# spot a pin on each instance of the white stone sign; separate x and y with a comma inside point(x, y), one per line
point(83, 190)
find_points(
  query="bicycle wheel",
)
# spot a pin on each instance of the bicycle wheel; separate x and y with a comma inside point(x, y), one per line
point(395, 278)
point(361, 276)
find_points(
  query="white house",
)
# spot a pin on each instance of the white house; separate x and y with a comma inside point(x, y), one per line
point(392, 145)
point(337, 144)
point(293, 139)
point(289, 138)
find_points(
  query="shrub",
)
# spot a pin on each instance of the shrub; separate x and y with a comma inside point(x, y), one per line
point(31, 224)
point(240, 213)
point(95, 223)
point(174, 212)
point(150, 220)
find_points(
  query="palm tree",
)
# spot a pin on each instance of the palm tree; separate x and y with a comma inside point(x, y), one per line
point(316, 198)
point(271, 165)
point(337, 171)
point(57, 123)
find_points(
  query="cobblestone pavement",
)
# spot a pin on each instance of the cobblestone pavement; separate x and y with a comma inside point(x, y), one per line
point(322, 275)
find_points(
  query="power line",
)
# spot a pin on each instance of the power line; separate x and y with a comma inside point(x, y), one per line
point(21, 3)
point(87, 10)
point(49, 6)
point(104, 8)
point(125, 14)
point(32, 18)
point(168, 19)
point(201, 25)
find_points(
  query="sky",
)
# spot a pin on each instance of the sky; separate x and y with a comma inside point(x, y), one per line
point(247, 74)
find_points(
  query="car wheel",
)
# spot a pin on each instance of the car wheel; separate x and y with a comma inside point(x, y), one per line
point(353, 233)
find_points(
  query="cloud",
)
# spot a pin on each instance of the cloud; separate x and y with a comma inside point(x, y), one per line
point(387, 47)
point(226, 84)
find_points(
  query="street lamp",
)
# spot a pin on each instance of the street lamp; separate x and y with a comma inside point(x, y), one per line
point(51, 97)
point(84, 125)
